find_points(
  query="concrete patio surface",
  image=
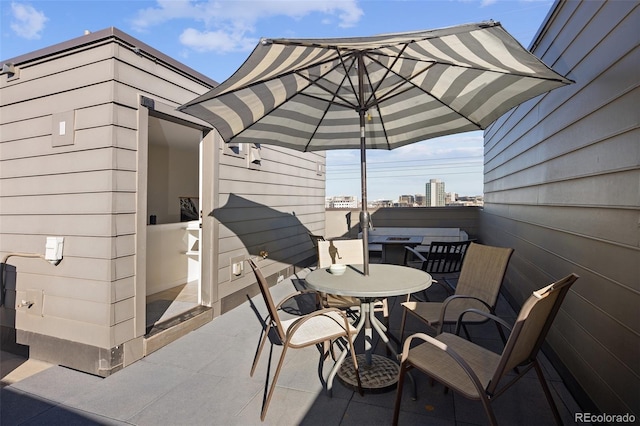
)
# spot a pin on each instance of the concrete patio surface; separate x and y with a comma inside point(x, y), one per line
point(203, 379)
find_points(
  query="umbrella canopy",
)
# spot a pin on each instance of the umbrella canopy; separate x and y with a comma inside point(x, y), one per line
point(379, 92)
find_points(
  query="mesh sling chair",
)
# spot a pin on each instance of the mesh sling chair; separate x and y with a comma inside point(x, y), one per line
point(478, 287)
point(319, 328)
point(443, 259)
point(477, 373)
point(332, 300)
point(347, 252)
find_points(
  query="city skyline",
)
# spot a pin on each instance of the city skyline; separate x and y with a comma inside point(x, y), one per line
point(401, 194)
point(456, 159)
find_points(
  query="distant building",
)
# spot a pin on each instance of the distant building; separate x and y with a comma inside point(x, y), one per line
point(342, 202)
point(450, 198)
point(381, 203)
point(406, 200)
point(420, 200)
point(435, 193)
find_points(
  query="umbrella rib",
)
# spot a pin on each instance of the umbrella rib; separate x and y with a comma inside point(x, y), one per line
point(469, 67)
point(332, 102)
point(387, 71)
point(346, 75)
point(345, 103)
point(335, 95)
point(393, 92)
point(375, 89)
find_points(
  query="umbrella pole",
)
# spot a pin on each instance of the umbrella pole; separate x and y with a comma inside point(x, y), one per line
point(364, 214)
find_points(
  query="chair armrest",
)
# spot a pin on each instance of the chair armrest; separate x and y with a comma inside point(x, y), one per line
point(450, 299)
point(446, 286)
point(481, 313)
point(415, 252)
point(407, 344)
point(445, 348)
point(298, 293)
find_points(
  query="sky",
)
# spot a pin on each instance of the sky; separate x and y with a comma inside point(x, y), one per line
point(214, 37)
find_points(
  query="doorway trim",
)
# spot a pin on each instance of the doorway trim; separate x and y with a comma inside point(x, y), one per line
point(207, 290)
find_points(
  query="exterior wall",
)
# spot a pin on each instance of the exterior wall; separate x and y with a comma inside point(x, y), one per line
point(82, 186)
point(562, 187)
point(271, 207)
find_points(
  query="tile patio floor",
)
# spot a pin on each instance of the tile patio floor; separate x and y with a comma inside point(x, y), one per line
point(203, 379)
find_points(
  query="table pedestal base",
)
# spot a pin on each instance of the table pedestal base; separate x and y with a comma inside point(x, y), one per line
point(381, 376)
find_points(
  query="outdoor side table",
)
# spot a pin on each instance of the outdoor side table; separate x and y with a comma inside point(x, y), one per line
point(377, 372)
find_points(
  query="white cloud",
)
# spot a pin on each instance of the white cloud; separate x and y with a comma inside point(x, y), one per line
point(231, 25)
point(27, 22)
point(218, 41)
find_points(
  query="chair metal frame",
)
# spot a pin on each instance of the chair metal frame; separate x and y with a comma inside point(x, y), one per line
point(320, 328)
point(481, 277)
point(480, 372)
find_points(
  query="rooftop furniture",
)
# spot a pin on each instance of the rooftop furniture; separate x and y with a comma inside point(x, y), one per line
point(481, 277)
point(477, 373)
point(393, 247)
point(319, 328)
point(315, 238)
point(345, 252)
point(380, 234)
point(383, 281)
point(442, 260)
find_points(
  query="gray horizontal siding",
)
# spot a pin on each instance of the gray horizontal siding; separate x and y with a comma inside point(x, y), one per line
point(562, 187)
point(85, 191)
point(273, 209)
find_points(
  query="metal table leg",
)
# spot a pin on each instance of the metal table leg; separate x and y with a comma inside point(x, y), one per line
point(377, 373)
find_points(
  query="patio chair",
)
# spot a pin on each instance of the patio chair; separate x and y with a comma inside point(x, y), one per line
point(443, 260)
point(346, 252)
point(320, 328)
point(478, 287)
point(315, 238)
point(477, 373)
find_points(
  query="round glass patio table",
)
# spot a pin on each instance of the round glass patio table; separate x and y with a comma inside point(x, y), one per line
point(384, 280)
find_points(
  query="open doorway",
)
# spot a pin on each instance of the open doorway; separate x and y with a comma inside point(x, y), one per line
point(173, 266)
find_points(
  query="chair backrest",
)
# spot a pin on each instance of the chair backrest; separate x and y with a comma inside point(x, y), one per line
point(531, 327)
point(483, 271)
point(445, 257)
point(268, 300)
point(314, 239)
point(346, 252)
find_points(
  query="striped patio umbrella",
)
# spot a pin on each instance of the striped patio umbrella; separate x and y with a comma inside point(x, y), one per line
point(379, 92)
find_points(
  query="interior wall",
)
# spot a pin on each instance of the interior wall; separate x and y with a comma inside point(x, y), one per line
point(158, 183)
point(183, 178)
point(173, 173)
